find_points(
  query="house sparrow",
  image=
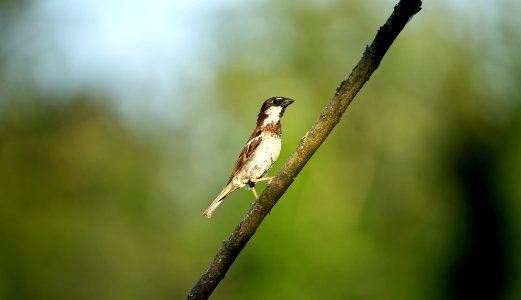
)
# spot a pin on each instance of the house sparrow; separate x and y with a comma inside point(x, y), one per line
point(259, 153)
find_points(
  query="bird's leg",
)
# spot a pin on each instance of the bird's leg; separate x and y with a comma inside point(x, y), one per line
point(254, 194)
point(252, 185)
point(268, 179)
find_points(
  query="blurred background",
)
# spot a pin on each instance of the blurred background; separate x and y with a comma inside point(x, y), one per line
point(120, 122)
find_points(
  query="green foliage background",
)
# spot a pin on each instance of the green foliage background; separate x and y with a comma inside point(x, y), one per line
point(415, 195)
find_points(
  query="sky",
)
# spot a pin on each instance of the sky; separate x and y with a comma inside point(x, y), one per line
point(140, 53)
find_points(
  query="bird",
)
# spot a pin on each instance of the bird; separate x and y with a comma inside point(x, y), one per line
point(259, 154)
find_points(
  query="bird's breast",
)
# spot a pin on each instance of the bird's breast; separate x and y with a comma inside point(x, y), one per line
point(268, 151)
point(262, 159)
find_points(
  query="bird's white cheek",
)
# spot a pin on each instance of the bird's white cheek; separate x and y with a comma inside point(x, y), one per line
point(273, 115)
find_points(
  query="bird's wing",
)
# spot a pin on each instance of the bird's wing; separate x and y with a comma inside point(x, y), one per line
point(252, 144)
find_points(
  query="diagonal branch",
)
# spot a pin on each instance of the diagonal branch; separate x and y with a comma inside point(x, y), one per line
point(328, 119)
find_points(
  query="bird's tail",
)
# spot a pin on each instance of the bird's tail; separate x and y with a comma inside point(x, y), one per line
point(228, 189)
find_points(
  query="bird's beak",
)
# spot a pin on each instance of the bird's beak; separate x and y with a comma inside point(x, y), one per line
point(287, 101)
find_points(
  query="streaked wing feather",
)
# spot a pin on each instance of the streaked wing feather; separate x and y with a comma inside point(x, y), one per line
point(252, 144)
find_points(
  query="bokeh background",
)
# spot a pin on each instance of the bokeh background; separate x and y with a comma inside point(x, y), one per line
point(120, 122)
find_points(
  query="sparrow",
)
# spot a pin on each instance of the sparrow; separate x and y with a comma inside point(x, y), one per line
point(259, 154)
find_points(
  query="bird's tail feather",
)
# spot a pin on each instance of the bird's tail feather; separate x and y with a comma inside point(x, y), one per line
point(209, 211)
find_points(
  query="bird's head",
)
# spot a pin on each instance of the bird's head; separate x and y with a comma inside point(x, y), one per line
point(272, 110)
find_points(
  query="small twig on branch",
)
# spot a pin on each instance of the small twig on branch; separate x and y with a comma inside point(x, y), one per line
point(328, 119)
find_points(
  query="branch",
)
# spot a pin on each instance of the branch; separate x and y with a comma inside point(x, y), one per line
point(328, 119)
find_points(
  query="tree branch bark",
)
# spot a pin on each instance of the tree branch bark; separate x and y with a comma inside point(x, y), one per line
point(312, 140)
